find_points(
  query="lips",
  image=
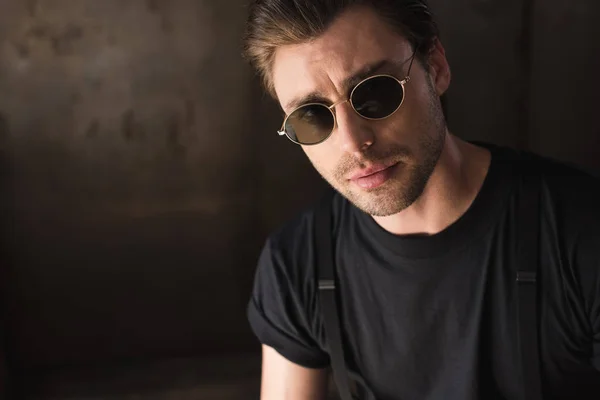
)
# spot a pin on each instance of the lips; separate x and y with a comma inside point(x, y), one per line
point(369, 171)
point(374, 176)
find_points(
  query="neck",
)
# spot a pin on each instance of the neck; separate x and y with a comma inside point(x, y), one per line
point(450, 191)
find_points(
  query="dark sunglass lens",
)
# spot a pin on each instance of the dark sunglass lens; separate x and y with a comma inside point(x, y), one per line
point(377, 97)
point(309, 124)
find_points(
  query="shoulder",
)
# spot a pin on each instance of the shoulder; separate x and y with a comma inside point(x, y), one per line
point(283, 309)
point(569, 215)
point(571, 193)
point(290, 249)
point(566, 188)
point(292, 245)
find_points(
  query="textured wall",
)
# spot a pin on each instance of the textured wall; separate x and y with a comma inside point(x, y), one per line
point(565, 81)
point(525, 74)
point(483, 41)
point(137, 188)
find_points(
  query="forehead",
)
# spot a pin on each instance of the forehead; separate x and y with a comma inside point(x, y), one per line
point(357, 38)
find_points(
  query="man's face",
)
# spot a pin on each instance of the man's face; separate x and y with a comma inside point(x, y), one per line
point(381, 166)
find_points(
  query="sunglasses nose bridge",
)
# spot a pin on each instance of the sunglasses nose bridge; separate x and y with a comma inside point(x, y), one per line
point(334, 105)
point(332, 109)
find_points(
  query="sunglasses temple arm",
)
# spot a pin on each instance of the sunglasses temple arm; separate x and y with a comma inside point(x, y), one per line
point(412, 59)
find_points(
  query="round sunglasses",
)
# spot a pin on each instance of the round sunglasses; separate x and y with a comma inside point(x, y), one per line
point(374, 98)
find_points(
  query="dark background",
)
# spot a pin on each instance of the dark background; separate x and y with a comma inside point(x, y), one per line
point(140, 172)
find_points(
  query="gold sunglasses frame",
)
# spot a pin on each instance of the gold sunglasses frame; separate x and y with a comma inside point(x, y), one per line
point(403, 82)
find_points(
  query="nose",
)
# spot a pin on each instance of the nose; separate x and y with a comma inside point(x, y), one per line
point(353, 133)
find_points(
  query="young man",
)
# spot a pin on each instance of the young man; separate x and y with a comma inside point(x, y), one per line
point(427, 228)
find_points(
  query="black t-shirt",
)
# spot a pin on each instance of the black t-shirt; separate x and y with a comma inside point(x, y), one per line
point(434, 317)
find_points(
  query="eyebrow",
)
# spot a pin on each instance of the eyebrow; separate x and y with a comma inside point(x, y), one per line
point(347, 84)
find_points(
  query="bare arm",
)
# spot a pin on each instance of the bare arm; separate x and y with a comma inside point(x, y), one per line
point(284, 380)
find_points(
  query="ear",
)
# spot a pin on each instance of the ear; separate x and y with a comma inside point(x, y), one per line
point(439, 70)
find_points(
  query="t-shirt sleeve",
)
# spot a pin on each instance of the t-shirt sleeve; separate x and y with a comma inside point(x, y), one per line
point(589, 262)
point(278, 310)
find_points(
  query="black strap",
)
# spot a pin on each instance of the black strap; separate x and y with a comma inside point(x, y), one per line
point(327, 292)
point(527, 264)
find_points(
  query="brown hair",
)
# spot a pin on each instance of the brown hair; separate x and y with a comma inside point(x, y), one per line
point(275, 23)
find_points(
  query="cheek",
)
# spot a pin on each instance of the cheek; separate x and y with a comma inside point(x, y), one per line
point(321, 157)
point(399, 128)
point(413, 111)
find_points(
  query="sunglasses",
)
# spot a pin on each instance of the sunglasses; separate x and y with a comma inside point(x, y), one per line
point(374, 98)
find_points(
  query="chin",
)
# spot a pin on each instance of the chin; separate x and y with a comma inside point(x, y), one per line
point(389, 199)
